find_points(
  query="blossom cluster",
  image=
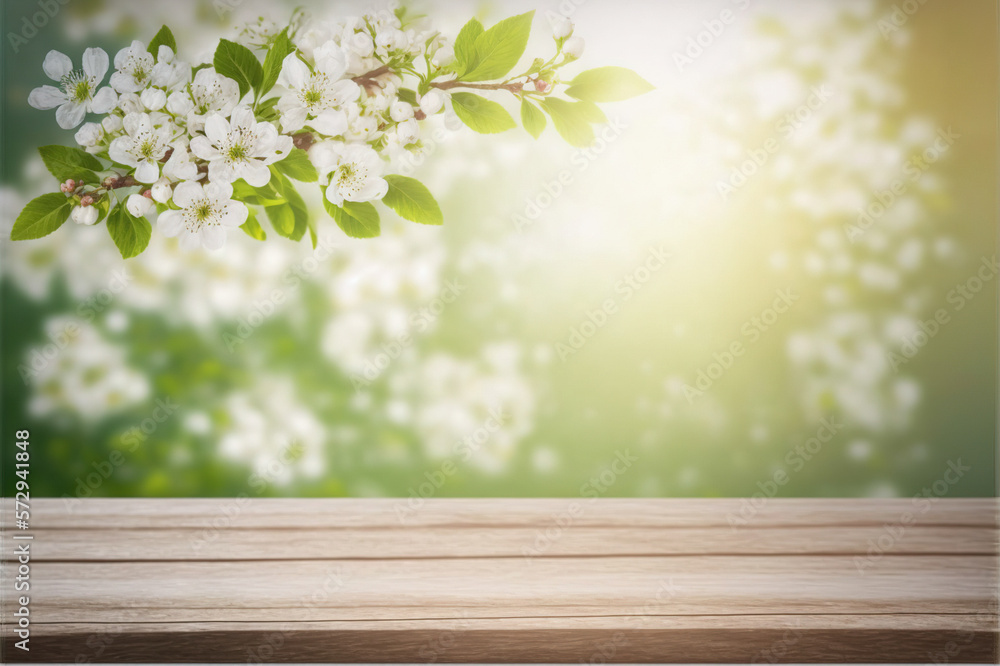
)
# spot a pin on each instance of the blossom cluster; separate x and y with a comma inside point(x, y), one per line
point(204, 148)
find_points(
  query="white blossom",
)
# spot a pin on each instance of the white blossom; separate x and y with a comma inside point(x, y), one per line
point(142, 146)
point(134, 68)
point(353, 172)
point(240, 148)
point(313, 97)
point(78, 92)
point(205, 214)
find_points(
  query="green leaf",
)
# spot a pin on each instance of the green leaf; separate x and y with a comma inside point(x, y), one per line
point(41, 216)
point(252, 227)
point(298, 166)
point(608, 84)
point(570, 121)
point(163, 38)
point(130, 234)
point(591, 112)
point(65, 163)
point(238, 63)
point(499, 48)
point(358, 220)
point(407, 95)
point(481, 114)
point(412, 200)
point(465, 46)
point(532, 119)
point(282, 218)
point(281, 48)
point(300, 212)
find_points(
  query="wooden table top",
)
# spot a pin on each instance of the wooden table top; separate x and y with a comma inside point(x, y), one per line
point(553, 580)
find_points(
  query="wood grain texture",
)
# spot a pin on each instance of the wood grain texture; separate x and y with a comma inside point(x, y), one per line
point(509, 580)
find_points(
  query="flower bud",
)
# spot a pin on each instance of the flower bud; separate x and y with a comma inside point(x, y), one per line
point(86, 200)
point(562, 28)
point(153, 99)
point(89, 135)
point(408, 132)
point(431, 102)
point(138, 205)
point(444, 56)
point(84, 215)
point(111, 123)
point(161, 191)
point(400, 111)
point(179, 103)
point(573, 47)
point(68, 186)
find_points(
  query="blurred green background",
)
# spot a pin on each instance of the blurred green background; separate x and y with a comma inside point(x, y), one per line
point(151, 397)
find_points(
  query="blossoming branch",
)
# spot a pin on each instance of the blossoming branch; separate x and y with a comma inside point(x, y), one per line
point(205, 148)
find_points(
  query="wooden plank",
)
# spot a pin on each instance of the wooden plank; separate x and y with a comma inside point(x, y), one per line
point(351, 543)
point(623, 581)
point(252, 513)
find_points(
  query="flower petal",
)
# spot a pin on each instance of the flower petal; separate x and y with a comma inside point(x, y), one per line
point(46, 97)
point(119, 151)
point(213, 237)
point(242, 117)
point(104, 100)
point(294, 72)
point(218, 191)
point(186, 193)
point(148, 171)
point(374, 188)
point(333, 195)
point(255, 173)
point(330, 122)
point(190, 240)
point(202, 148)
point(95, 63)
point(234, 214)
point(217, 128)
point(70, 115)
point(56, 65)
point(170, 223)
